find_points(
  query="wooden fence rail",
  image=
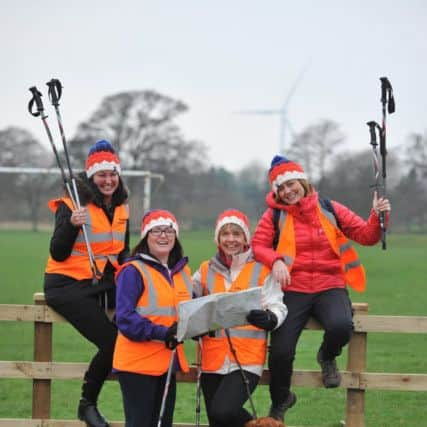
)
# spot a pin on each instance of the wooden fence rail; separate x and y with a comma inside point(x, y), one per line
point(42, 370)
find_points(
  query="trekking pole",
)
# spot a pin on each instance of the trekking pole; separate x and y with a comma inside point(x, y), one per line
point(166, 389)
point(55, 92)
point(199, 374)
point(387, 100)
point(373, 128)
point(387, 105)
point(242, 373)
point(37, 101)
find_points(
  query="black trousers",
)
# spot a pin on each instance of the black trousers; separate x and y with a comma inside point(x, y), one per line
point(89, 318)
point(225, 396)
point(142, 398)
point(332, 309)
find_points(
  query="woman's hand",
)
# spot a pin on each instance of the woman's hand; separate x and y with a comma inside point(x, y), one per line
point(280, 273)
point(78, 217)
point(380, 204)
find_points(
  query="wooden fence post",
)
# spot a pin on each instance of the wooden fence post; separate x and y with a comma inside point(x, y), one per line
point(42, 353)
point(356, 363)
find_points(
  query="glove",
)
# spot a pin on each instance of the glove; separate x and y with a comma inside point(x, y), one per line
point(170, 338)
point(264, 319)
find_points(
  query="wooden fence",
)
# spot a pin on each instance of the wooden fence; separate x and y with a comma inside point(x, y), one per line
point(42, 370)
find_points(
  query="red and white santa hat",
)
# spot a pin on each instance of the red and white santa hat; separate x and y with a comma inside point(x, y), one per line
point(102, 157)
point(156, 218)
point(232, 216)
point(282, 170)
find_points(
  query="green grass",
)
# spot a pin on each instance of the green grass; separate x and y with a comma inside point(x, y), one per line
point(396, 286)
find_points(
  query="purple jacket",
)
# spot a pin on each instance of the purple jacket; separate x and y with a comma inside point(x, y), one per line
point(130, 287)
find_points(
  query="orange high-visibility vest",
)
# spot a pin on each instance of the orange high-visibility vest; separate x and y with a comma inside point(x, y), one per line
point(352, 269)
point(157, 303)
point(106, 239)
point(249, 342)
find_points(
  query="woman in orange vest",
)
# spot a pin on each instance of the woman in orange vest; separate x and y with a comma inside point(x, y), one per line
point(233, 269)
point(69, 286)
point(149, 288)
point(305, 241)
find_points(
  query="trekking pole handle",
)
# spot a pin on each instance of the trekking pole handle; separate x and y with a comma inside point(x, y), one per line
point(373, 126)
point(385, 86)
point(387, 95)
point(36, 99)
point(55, 91)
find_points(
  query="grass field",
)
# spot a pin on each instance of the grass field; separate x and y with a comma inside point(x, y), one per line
point(397, 282)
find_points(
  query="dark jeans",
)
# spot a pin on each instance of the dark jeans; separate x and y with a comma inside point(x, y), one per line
point(332, 309)
point(89, 318)
point(142, 398)
point(225, 396)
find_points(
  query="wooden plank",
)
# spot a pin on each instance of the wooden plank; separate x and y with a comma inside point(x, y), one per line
point(75, 371)
point(21, 313)
point(356, 363)
point(392, 381)
point(42, 353)
point(404, 324)
point(42, 370)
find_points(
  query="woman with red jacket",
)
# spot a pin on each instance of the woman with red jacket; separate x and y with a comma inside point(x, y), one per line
point(305, 241)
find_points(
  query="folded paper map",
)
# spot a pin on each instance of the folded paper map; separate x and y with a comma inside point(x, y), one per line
point(216, 311)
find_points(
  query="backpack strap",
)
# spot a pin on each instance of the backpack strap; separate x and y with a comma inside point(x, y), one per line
point(324, 203)
point(327, 204)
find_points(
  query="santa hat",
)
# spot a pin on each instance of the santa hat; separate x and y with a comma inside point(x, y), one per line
point(232, 216)
point(158, 217)
point(282, 170)
point(102, 156)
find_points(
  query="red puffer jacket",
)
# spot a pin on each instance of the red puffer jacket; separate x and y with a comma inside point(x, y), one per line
point(316, 267)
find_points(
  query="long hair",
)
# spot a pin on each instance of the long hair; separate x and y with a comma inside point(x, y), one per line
point(175, 254)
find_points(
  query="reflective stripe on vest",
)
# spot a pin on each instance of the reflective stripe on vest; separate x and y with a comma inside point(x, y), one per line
point(253, 281)
point(158, 304)
point(256, 334)
point(353, 271)
point(153, 306)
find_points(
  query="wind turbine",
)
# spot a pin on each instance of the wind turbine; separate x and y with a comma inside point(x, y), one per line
point(282, 112)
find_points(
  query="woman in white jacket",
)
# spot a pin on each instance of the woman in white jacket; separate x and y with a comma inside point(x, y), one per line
point(233, 269)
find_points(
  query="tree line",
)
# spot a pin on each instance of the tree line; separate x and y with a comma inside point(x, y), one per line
point(142, 127)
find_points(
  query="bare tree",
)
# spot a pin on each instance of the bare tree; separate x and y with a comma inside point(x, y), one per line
point(141, 126)
point(314, 146)
point(416, 154)
point(19, 148)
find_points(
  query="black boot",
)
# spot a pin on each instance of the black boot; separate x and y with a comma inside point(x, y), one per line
point(278, 411)
point(331, 377)
point(88, 412)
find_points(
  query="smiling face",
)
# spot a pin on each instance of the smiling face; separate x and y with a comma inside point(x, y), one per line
point(291, 192)
point(160, 241)
point(232, 240)
point(107, 183)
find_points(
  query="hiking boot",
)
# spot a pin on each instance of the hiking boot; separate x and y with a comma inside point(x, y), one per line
point(278, 411)
point(88, 412)
point(331, 377)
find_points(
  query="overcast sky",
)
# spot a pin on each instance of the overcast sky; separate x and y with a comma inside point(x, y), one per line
point(221, 57)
